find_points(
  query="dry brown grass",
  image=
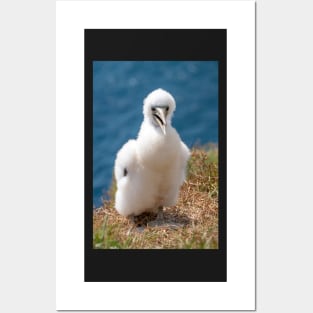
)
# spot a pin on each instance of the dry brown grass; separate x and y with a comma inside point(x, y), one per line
point(191, 224)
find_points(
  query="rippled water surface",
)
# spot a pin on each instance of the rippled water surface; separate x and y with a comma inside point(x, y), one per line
point(118, 92)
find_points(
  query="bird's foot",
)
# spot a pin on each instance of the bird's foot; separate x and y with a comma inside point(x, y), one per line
point(131, 218)
point(135, 224)
point(160, 216)
point(159, 221)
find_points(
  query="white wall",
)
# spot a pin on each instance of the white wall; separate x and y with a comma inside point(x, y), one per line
point(284, 154)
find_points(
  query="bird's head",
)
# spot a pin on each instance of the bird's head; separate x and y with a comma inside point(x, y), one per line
point(158, 108)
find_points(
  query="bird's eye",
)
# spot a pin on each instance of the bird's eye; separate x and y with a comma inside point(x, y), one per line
point(153, 109)
point(166, 109)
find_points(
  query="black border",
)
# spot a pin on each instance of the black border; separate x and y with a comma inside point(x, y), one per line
point(168, 264)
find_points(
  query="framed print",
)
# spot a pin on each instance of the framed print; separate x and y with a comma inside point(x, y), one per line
point(155, 155)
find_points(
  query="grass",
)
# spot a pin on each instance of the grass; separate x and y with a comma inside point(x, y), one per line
point(191, 224)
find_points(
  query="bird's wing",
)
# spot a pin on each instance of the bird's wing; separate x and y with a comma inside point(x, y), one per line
point(126, 160)
point(184, 159)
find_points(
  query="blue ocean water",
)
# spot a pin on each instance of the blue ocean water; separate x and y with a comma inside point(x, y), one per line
point(119, 88)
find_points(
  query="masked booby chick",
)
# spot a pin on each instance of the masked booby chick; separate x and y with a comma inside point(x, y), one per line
point(150, 170)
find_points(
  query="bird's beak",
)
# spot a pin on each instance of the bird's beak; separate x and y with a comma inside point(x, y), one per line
point(160, 118)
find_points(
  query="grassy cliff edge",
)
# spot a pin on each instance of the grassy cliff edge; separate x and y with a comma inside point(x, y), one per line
point(191, 224)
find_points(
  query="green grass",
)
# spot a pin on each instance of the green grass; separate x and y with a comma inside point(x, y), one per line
point(191, 224)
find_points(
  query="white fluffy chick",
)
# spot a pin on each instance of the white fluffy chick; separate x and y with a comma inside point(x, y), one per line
point(150, 170)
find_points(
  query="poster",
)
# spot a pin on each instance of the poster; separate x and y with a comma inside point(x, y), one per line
point(213, 271)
